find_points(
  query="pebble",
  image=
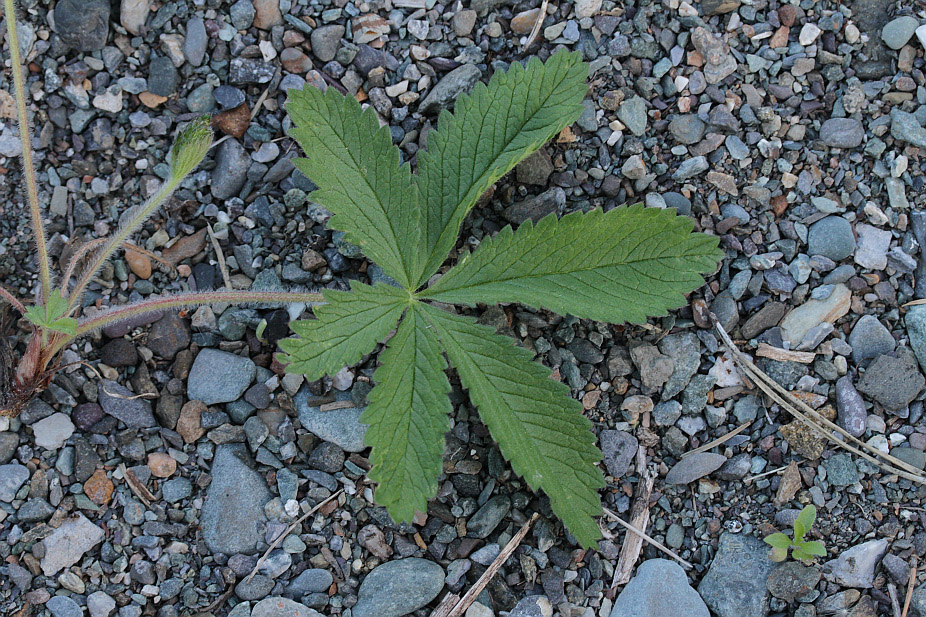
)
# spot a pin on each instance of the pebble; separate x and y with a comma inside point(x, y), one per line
point(233, 513)
point(694, 467)
point(195, 42)
point(873, 244)
point(219, 377)
point(799, 321)
point(842, 133)
point(133, 14)
point(231, 169)
point(68, 543)
point(122, 404)
point(831, 237)
point(792, 580)
point(659, 588)
point(325, 42)
point(619, 448)
point(51, 432)
point(687, 128)
point(281, 607)
point(532, 606)
point(841, 470)
point(488, 517)
point(169, 335)
point(313, 580)
point(83, 24)
point(897, 32)
point(342, 427)
point(267, 14)
point(735, 584)
point(850, 407)
point(398, 587)
point(453, 84)
point(905, 127)
point(12, 477)
point(63, 606)
point(632, 113)
point(100, 604)
point(893, 381)
point(915, 320)
point(869, 338)
point(855, 567)
point(163, 78)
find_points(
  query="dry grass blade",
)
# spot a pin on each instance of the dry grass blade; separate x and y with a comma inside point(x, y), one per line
point(220, 256)
point(649, 539)
point(720, 440)
point(537, 25)
point(456, 610)
point(141, 491)
point(289, 529)
point(639, 517)
point(911, 583)
point(814, 420)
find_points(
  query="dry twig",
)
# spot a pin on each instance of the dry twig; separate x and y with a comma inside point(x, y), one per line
point(639, 518)
point(289, 529)
point(649, 539)
point(720, 440)
point(141, 491)
point(537, 25)
point(454, 606)
point(910, 585)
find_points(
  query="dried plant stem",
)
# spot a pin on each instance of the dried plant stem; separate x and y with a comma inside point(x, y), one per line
point(28, 169)
point(911, 583)
point(639, 517)
point(720, 440)
point(649, 539)
point(12, 300)
point(138, 216)
point(114, 315)
point(289, 530)
point(92, 245)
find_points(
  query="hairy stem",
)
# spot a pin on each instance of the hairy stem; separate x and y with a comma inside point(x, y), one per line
point(12, 300)
point(121, 313)
point(28, 169)
point(138, 216)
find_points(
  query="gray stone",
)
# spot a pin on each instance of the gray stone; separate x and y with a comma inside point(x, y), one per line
point(735, 584)
point(893, 382)
point(691, 168)
point(120, 402)
point(869, 338)
point(256, 588)
point(398, 587)
point(68, 543)
point(9, 441)
point(281, 607)
point(219, 377)
point(918, 601)
point(242, 14)
point(313, 580)
point(453, 84)
point(694, 467)
point(532, 606)
point(340, 426)
point(326, 40)
point(51, 432)
point(35, 510)
point(231, 169)
point(831, 237)
point(905, 127)
point(487, 518)
point(897, 32)
point(792, 580)
point(233, 513)
point(194, 44)
point(916, 331)
point(12, 477)
point(100, 604)
point(163, 78)
point(850, 407)
point(176, 489)
point(63, 606)
point(855, 567)
point(873, 244)
point(619, 448)
point(842, 133)
point(83, 24)
point(659, 588)
point(911, 456)
point(685, 349)
point(687, 128)
point(841, 470)
point(169, 335)
point(735, 468)
point(632, 113)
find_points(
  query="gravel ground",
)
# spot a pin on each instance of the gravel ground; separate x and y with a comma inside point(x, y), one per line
point(793, 131)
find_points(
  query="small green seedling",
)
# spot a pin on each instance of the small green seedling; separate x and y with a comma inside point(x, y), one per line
point(617, 266)
point(804, 550)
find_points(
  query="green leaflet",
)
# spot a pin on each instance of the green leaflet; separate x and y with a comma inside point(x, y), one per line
point(356, 168)
point(539, 427)
point(408, 414)
point(346, 328)
point(619, 266)
point(51, 317)
point(490, 131)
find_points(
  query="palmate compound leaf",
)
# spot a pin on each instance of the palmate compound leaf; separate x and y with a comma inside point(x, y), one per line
point(356, 167)
point(346, 328)
point(408, 414)
point(489, 132)
point(621, 266)
point(539, 427)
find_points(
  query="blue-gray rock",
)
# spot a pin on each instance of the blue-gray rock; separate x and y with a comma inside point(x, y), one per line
point(685, 349)
point(632, 113)
point(257, 587)
point(831, 237)
point(35, 510)
point(242, 14)
point(735, 584)
point(851, 415)
point(792, 580)
point(487, 518)
point(398, 587)
point(233, 513)
point(9, 441)
point(735, 468)
point(911, 456)
point(219, 377)
point(916, 331)
point(905, 127)
point(120, 402)
point(897, 32)
point(231, 169)
point(532, 606)
point(176, 489)
point(659, 588)
point(194, 44)
point(842, 133)
point(63, 606)
point(694, 467)
point(281, 607)
point(340, 426)
point(313, 580)
point(228, 97)
point(12, 477)
point(619, 448)
point(855, 567)
point(841, 470)
point(869, 338)
point(163, 78)
point(893, 381)
point(688, 129)
point(326, 40)
point(691, 168)
point(83, 24)
point(453, 84)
